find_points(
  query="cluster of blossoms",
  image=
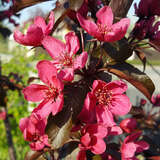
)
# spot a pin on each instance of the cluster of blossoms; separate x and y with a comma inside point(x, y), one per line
point(102, 104)
point(146, 27)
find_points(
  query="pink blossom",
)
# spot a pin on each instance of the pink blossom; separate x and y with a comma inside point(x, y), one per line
point(105, 30)
point(143, 102)
point(156, 100)
point(104, 101)
point(50, 95)
point(63, 55)
point(2, 115)
point(36, 32)
point(33, 129)
point(92, 139)
point(128, 125)
point(131, 146)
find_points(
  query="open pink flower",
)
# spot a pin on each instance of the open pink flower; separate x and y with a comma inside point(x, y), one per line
point(128, 125)
point(50, 95)
point(33, 129)
point(131, 146)
point(36, 32)
point(92, 139)
point(104, 101)
point(63, 55)
point(105, 30)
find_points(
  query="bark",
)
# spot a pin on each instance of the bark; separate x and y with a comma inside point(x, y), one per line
point(11, 149)
point(120, 8)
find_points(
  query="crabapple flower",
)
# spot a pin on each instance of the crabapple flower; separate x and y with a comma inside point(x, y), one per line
point(63, 55)
point(156, 100)
point(33, 129)
point(104, 101)
point(128, 125)
point(131, 146)
point(92, 139)
point(105, 30)
point(50, 95)
point(36, 32)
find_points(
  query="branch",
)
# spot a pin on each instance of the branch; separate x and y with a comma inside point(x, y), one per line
point(120, 7)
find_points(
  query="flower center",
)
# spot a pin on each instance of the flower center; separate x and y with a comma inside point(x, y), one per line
point(52, 93)
point(67, 61)
point(103, 29)
point(104, 96)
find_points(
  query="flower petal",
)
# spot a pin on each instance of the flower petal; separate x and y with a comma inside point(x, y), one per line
point(128, 150)
point(87, 114)
point(50, 23)
point(34, 92)
point(80, 60)
point(141, 145)
point(89, 26)
point(120, 105)
point(72, 43)
point(53, 46)
point(57, 105)
point(104, 116)
point(105, 16)
point(66, 74)
point(82, 155)
point(119, 30)
point(33, 37)
point(46, 71)
point(44, 108)
point(117, 87)
point(98, 145)
point(40, 22)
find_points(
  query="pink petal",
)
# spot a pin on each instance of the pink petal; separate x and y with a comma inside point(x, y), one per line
point(35, 92)
point(89, 26)
point(72, 43)
point(44, 108)
point(50, 23)
point(80, 60)
point(98, 146)
point(120, 105)
point(53, 46)
point(141, 145)
point(119, 30)
point(57, 105)
point(85, 140)
point(128, 150)
point(97, 130)
point(87, 114)
point(115, 130)
point(40, 22)
point(44, 139)
point(46, 71)
point(132, 137)
point(117, 87)
point(82, 155)
point(128, 125)
point(57, 83)
point(33, 37)
point(66, 74)
point(105, 16)
point(23, 124)
point(104, 116)
point(36, 146)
